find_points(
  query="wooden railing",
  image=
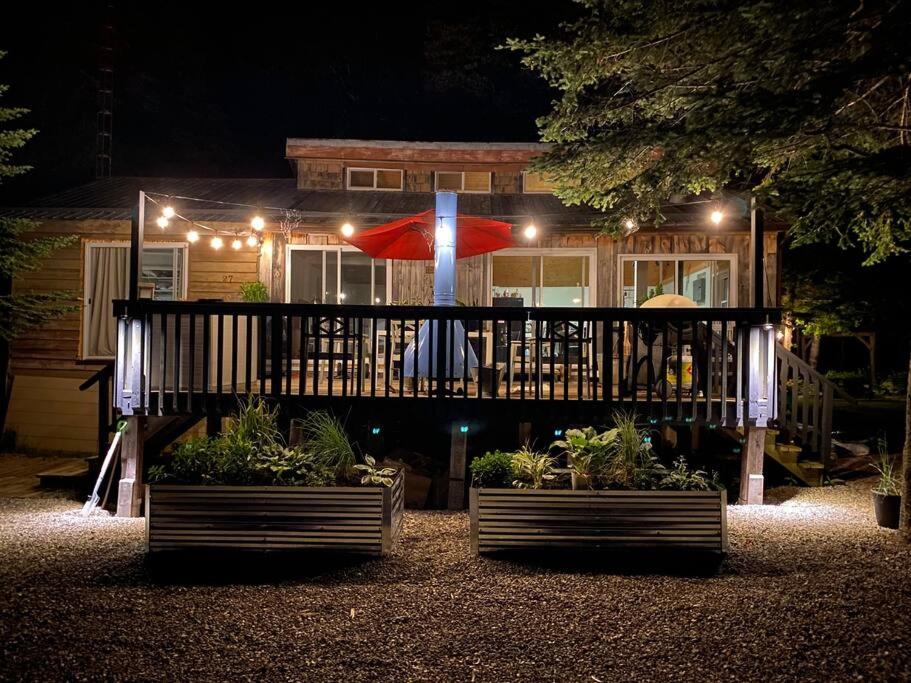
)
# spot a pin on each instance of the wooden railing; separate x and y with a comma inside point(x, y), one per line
point(677, 364)
point(805, 399)
point(104, 378)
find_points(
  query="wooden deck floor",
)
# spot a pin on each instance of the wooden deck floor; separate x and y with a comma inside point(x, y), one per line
point(19, 473)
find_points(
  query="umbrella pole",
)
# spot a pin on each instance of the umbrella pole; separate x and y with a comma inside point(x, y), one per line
point(444, 249)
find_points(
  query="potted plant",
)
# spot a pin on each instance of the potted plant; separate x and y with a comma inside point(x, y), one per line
point(622, 498)
point(887, 492)
point(247, 489)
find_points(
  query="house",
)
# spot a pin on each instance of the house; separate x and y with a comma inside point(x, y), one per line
point(554, 320)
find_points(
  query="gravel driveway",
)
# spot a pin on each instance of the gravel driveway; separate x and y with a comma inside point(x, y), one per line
point(812, 590)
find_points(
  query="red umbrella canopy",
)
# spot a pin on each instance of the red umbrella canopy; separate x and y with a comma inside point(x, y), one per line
point(411, 238)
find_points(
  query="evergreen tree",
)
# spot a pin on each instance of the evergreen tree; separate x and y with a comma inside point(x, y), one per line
point(806, 104)
point(21, 310)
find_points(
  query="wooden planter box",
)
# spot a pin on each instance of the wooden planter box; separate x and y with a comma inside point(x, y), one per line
point(522, 519)
point(363, 519)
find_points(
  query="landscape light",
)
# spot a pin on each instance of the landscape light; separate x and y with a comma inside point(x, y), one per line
point(716, 217)
point(463, 429)
point(347, 230)
point(162, 222)
point(217, 242)
point(375, 431)
point(168, 212)
point(236, 244)
point(258, 223)
point(252, 241)
point(558, 432)
point(531, 231)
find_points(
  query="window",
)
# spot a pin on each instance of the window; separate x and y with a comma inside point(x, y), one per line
point(536, 182)
point(706, 279)
point(107, 268)
point(463, 181)
point(375, 179)
point(543, 277)
point(332, 275)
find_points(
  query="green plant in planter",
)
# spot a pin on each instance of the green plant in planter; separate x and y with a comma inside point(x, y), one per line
point(587, 454)
point(531, 468)
point(492, 470)
point(325, 438)
point(373, 475)
point(681, 478)
point(889, 482)
point(191, 462)
point(253, 292)
point(632, 463)
point(293, 466)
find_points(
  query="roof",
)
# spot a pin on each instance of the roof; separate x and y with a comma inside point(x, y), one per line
point(113, 199)
point(406, 144)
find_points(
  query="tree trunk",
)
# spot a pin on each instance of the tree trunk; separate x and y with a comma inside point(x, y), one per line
point(6, 288)
point(905, 521)
point(814, 351)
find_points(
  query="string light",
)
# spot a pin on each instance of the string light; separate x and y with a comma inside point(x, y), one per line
point(630, 224)
point(192, 236)
point(347, 230)
point(531, 231)
point(168, 212)
point(217, 242)
point(257, 223)
point(716, 217)
point(252, 241)
point(236, 244)
point(162, 222)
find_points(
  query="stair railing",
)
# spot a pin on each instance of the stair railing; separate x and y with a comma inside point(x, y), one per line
point(805, 402)
point(104, 378)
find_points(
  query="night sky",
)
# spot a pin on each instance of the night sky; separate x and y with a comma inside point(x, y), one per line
point(216, 92)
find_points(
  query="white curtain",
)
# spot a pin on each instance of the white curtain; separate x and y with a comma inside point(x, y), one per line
point(108, 280)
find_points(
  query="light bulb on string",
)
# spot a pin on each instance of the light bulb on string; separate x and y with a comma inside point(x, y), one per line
point(168, 212)
point(716, 217)
point(192, 236)
point(347, 230)
point(236, 244)
point(530, 231)
point(217, 242)
point(258, 223)
point(252, 241)
point(162, 222)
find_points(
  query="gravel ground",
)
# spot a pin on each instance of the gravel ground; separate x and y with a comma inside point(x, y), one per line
point(812, 590)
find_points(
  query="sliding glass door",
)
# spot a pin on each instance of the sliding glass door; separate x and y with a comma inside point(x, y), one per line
point(707, 279)
point(543, 277)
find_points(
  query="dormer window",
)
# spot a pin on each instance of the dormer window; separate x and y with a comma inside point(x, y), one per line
point(533, 183)
point(463, 181)
point(375, 179)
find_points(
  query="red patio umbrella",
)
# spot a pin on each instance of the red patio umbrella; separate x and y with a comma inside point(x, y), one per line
point(411, 238)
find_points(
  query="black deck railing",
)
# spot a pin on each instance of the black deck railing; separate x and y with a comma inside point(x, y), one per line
point(680, 364)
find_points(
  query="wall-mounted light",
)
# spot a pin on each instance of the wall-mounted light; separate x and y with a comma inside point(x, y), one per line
point(530, 231)
point(258, 223)
point(717, 216)
point(347, 230)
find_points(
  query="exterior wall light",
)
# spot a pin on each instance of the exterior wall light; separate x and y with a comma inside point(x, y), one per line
point(530, 231)
point(347, 230)
point(716, 217)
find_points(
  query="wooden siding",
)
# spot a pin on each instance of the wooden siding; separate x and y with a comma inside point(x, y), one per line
point(50, 414)
point(349, 519)
point(57, 345)
point(512, 519)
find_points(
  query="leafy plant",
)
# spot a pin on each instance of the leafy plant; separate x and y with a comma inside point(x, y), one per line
point(531, 468)
point(253, 292)
point(492, 470)
point(681, 478)
point(373, 475)
point(587, 453)
point(191, 462)
point(293, 466)
point(256, 421)
point(325, 438)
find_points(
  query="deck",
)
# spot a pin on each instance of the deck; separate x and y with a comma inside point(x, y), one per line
point(683, 365)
